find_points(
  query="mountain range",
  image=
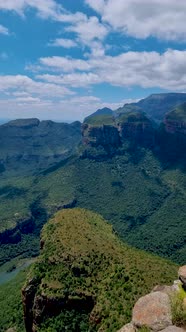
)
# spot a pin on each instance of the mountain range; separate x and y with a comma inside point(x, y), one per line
point(126, 165)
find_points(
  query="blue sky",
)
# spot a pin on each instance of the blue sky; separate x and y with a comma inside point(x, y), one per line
point(64, 59)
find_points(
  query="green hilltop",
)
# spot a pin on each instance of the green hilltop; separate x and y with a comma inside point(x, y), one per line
point(92, 277)
point(178, 114)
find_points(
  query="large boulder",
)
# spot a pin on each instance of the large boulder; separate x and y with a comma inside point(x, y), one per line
point(173, 329)
point(182, 275)
point(128, 328)
point(153, 311)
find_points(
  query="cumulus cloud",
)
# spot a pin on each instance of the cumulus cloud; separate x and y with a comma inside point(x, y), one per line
point(68, 110)
point(144, 69)
point(45, 8)
point(141, 19)
point(89, 29)
point(21, 84)
point(4, 30)
point(64, 64)
point(75, 80)
point(63, 42)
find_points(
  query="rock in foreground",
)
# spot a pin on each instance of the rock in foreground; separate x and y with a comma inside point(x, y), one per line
point(153, 311)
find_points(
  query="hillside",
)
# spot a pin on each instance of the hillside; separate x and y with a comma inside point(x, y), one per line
point(28, 145)
point(85, 278)
point(156, 105)
point(175, 121)
point(104, 115)
point(136, 181)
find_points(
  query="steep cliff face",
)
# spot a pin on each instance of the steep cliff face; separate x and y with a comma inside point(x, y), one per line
point(83, 279)
point(134, 127)
point(20, 225)
point(27, 144)
point(175, 121)
point(156, 105)
point(105, 135)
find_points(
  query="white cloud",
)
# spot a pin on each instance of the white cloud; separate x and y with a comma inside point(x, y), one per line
point(141, 19)
point(144, 69)
point(45, 8)
point(4, 30)
point(67, 110)
point(74, 80)
point(86, 29)
point(89, 30)
point(20, 84)
point(28, 99)
point(61, 42)
point(64, 64)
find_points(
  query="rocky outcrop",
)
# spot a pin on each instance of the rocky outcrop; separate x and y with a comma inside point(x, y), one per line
point(30, 144)
point(21, 226)
point(128, 328)
point(173, 328)
point(37, 307)
point(182, 275)
point(28, 296)
point(175, 127)
point(153, 310)
point(175, 121)
point(105, 135)
point(131, 127)
point(137, 128)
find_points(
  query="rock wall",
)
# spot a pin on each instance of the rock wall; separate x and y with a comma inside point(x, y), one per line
point(175, 127)
point(154, 311)
point(135, 128)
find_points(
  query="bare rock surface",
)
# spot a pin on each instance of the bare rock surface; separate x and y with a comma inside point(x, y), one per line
point(173, 329)
point(182, 275)
point(153, 311)
point(128, 328)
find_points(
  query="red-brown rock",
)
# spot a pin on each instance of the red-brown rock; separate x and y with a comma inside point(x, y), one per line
point(153, 311)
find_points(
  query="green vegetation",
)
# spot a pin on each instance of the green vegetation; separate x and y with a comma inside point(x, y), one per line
point(156, 105)
point(179, 308)
point(98, 120)
point(179, 114)
point(139, 192)
point(84, 264)
point(133, 116)
point(11, 313)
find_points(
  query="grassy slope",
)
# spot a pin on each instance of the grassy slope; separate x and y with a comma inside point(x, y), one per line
point(156, 105)
point(142, 199)
point(144, 202)
point(99, 120)
point(11, 313)
point(179, 114)
point(82, 256)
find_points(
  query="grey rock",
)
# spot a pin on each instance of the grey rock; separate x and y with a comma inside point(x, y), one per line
point(173, 329)
point(128, 328)
point(182, 275)
point(177, 284)
point(165, 289)
point(153, 311)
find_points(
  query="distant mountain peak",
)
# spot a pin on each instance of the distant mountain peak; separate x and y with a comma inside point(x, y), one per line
point(155, 106)
point(99, 113)
point(31, 122)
